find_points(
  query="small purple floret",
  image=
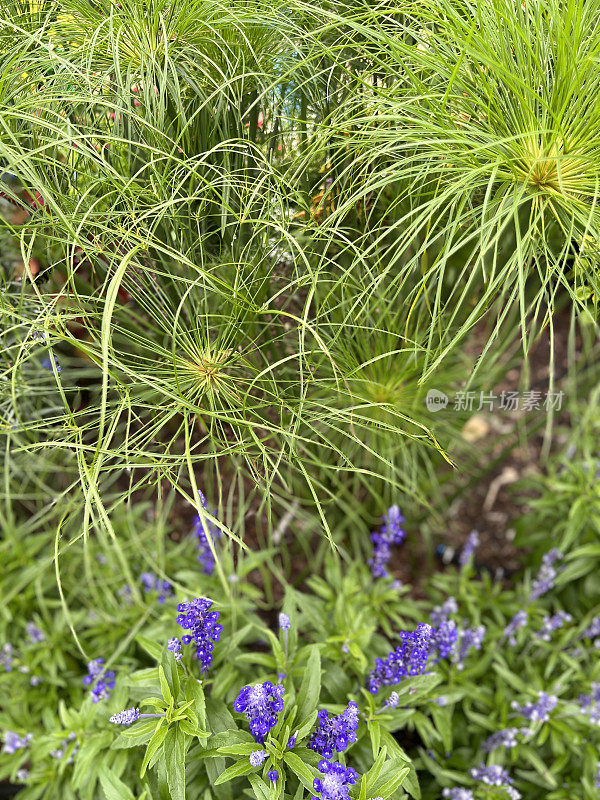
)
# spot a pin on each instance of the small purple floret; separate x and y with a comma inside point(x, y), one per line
point(258, 757)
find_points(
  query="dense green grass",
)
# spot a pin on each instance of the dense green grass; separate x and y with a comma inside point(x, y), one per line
point(266, 230)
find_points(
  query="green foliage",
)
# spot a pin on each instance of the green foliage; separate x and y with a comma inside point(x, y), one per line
point(191, 742)
point(263, 231)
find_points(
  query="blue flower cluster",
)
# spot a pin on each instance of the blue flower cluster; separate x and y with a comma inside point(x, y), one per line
point(14, 742)
point(174, 645)
point(458, 793)
point(519, 620)
point(258, 757)
point(451, 641)
point(47, 363)
point(593, 632)
point(261, 704)
point(6, 656)
point(203, 626)
point(336, 781)
point(34, 634)
point(590, 704)
point(468, 550)
point(539, 711)
point(410, 658)
point(102, 681)
point(469, 638)
point(505, 738)
point(151, 583)
point(495, 775)
point(59, 752)
point(544, 580)
point(334, 734)
point(205, 532)
point(552, 624)
point(445, 638)
point(284, 622)
point(441, 613)
point(389, 534)
point(126, 717)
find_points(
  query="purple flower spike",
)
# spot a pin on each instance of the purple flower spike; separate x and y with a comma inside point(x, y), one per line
point(388, 535)
point(552, 624)
point(537, 712)
point(101, 681)
point(458, 794)
point(544, 580)
point(174, 645)
point(409, 659)
point(441, 613)
point(34, 634)
point(284, 622)
point(151, 583)
point(590, 704)
point(203, 626)
point(261, 704)
point(336, 781)
point(506, 738)
point(258, 757)
point(519, 620)
point(14, 742)
point(469, 638)
point(468, 550)
point(6, 657)
point(334, 734)
point(495, 775)
point(445, 639)
point(206, 532)
point(127, 717)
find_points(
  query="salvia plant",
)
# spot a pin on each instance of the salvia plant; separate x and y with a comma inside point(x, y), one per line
point(356, 688)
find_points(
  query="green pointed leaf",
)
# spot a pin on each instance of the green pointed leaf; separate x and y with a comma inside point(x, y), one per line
point(175, 748)
point(112, 786)
point(374, 729)
point(166, 691)
point(153, 746)
point(261, 790)
point(302, 771)
point(241, 767)
point(151, 647)
point(310, 689)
